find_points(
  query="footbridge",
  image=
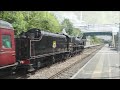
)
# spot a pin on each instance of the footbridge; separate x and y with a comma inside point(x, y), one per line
point(102, 33)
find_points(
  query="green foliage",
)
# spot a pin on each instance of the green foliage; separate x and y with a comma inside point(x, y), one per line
point(44, 20)
point(70, 29)
point(68, 26)
point(76, 32)
point(95, 40)
point(22, 20)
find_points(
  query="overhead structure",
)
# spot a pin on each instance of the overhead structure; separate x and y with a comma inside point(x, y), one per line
point(85, 34)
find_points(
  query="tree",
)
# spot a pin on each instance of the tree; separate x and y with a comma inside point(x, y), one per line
point(16, 19)
point(95, 40)
point(23, 21)
point(68, 26)
point(76, 32)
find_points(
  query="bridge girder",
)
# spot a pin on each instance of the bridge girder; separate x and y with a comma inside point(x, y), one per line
point(99, 33)
point(96, 33)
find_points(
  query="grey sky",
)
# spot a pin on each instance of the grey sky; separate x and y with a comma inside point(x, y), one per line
point(90, 17)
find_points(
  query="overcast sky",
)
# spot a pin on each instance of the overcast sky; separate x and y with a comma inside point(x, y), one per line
point(89, 17)
point(100, 17)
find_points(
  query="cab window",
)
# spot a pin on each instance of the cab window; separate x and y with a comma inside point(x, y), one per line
point(6, 41)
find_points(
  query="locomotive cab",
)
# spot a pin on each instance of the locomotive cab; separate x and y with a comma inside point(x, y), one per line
point(7, 46)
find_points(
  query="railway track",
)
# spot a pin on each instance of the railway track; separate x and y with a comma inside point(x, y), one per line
point(22, 75)
point(65, 69)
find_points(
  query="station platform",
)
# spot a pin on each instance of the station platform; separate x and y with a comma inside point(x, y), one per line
point(105, 64)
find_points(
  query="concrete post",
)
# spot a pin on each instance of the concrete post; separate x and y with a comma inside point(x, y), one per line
point(113, 40)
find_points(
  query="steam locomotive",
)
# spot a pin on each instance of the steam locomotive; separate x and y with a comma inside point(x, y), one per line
point(35, 48)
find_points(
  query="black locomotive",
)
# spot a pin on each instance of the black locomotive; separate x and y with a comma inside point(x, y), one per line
point(36, 48)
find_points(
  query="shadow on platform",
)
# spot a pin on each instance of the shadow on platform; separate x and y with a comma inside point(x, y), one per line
point(113, 49)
